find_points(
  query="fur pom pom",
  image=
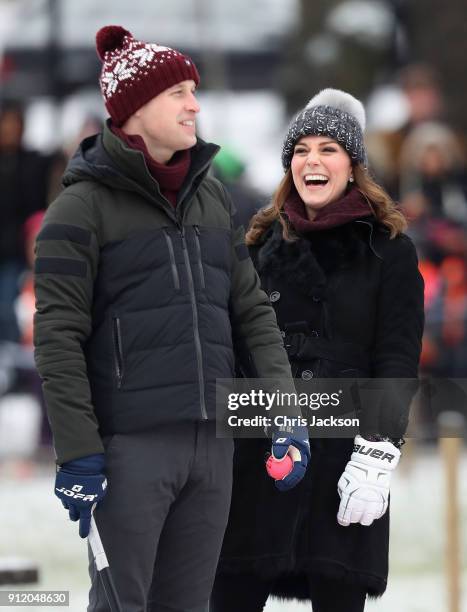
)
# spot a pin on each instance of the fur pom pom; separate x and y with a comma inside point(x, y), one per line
point(109, 38)
point(341, 100)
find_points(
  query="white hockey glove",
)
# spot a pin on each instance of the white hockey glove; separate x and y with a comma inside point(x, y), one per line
point(364, 485)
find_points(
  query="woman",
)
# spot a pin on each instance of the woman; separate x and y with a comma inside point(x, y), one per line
point(344, 282)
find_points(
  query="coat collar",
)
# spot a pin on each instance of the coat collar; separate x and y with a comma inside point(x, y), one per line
point(306, 262)
point(293, 262)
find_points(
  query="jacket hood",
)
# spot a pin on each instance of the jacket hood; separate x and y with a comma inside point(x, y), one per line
point(91, 162)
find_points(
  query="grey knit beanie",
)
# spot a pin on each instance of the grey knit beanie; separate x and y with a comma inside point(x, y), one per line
point(332, 113)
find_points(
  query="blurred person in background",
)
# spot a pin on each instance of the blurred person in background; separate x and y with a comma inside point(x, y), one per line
point(142, 279)
point(230, 170)
point(24, 414)
point(23, 188)
point(344, 283)
point(90, 126)
point(433, 166)
point(433, 188)
point(424, 99)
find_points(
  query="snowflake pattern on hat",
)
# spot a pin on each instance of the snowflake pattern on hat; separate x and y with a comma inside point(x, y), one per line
point(136, 55)
point(121, 72)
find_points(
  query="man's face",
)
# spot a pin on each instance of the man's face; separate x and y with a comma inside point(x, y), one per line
point(167, 123)
point(11, 129)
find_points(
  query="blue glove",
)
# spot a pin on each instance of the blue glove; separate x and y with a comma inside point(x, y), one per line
point(298, 446)
point(80, 484)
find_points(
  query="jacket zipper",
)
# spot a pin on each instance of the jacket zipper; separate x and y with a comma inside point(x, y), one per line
point(118, 351)
point(194, 308)
point(173, 265)
point(200, 261)
point(189, 188)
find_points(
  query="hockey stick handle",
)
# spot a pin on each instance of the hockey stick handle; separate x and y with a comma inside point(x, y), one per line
point(102, 565)
point(96, 546)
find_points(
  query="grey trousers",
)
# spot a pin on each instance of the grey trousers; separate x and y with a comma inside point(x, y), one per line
point(163, 519)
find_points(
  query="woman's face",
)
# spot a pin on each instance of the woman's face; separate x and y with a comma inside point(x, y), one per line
point(321, 169)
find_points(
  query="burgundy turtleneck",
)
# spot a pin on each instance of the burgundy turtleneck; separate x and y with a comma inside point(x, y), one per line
point(351, 206)
point(169, 176)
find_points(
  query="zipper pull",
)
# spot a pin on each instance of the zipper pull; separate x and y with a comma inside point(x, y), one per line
point(182, 236)
point(197, 230)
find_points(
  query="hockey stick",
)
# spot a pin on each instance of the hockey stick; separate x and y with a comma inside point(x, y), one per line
point(102, 566)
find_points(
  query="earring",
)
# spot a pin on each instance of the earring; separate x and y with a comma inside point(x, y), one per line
point(351, 179)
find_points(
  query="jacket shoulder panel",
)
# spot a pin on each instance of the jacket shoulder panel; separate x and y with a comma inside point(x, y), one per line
point(217, 190)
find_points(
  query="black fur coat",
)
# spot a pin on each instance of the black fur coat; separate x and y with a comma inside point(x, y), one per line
point(360, 295)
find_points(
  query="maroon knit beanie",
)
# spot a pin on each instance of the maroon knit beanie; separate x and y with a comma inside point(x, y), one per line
point(134, 72)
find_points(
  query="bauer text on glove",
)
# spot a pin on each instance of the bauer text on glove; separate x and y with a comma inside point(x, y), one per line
point(364, 485)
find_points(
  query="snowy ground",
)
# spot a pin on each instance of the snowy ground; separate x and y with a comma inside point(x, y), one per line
point(33, 525)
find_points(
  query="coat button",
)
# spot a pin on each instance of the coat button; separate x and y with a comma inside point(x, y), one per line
point(307, 374)
point(274, 296)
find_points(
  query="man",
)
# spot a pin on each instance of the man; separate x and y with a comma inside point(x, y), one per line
point(142, 282)
point(23, 187)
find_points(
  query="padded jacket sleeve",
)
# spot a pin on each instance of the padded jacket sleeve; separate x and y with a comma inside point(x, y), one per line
point(67, 254)
point(258, 341)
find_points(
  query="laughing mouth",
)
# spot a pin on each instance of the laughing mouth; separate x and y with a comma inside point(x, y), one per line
point(315, 180)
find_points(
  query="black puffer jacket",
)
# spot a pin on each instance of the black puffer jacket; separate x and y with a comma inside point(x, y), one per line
point(138, 303)
point(359, 298)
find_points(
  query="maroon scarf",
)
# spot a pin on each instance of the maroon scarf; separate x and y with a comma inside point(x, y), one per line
point(169, 176)
point(351, 206)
